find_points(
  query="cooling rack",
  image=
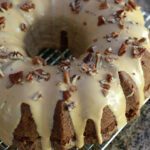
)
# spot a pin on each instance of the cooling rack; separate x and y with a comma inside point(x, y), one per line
point(54, 57)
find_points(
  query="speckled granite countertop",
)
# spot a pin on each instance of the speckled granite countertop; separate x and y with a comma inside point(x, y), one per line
point(136, 135)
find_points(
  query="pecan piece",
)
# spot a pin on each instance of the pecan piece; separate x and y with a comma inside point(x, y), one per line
point(2, 22)
point(16, 78)
point(23, 27)
point(66, 95)
point(122, 49)
point(118, 1)
point(75, 6)
point(38, 61)
point(137, 52)
point(27, 6)
point(104, 5)
point(6, 5)
point(109, 78)
point(101, 21)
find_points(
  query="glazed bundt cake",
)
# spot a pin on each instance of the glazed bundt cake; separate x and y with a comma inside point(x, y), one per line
point(82, 100)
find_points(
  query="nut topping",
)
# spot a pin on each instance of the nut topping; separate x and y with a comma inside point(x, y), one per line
point(142, 40)
point(16, 78)
point(122, 49)
point(2, 22)
point(137, 52)
point(88, 58)
point(38, 74)
point(23, 27)
point(101, 21)
point(109, 78)
point(108, 51)
point(104, 5)
point(118, 1)
point(66, 95)
point(27, 6)
point(132, 3)
point(6, 5)
point(75, 6)
point(38, 61)
point(15, 55)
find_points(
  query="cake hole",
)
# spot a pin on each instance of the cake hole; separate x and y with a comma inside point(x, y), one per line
point(58, 36)
point(63, 40)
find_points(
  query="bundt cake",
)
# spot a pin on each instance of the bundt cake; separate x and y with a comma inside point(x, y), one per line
point(84, 99)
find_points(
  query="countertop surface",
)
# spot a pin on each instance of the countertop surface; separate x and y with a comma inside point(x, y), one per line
point(136, 135)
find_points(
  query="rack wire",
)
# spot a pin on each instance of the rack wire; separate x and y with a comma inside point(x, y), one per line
point(53, 58)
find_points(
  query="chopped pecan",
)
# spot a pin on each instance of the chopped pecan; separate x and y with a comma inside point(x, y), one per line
point(142, 40)
point(75, 78)
point(75, 6)
point(27, 6)
point(16, 78)
point(114, 34)
point(38, 61)
point(104, 5)
point(88, 58)
point(122, 49)
point(29, 76)
point(38, 74)
point(109, 77)
point(108, 51)
point(66, 95)
point(2, 22)
point(15, 55)
point(118, 1)
point(6, 5)
point(121, 24)
point(66, 77)
point(101, 21)
point(137, 52)
point(132, 4)
point(23, 27)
